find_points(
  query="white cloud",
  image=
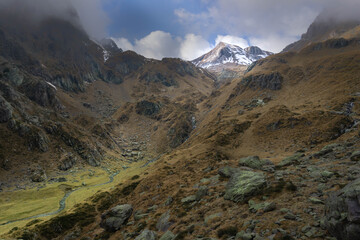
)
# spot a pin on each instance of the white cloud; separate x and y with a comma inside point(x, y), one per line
point(193, 46)
point(123, 43)
point(159, 44)
point(272, 43)
point(241, 42)
point(257, 20)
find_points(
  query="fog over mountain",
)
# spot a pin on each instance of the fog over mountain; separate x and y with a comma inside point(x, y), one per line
point(86, 14)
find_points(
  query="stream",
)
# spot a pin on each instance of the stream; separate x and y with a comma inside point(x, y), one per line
point(62, 202)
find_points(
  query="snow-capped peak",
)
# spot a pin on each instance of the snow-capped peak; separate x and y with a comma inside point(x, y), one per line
point(227, 53)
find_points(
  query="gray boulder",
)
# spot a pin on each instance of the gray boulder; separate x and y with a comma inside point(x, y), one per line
point(114, 219)
point(168, 236)
point(243, 185)
point(342, 212)
point(254, 162)
point(146, 235)
point(5, 110)
point(163, 223)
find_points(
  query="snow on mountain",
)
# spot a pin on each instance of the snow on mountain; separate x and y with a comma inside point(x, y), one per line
point(225, 53)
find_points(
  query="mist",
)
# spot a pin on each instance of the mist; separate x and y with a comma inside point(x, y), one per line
point(340, 11)
point(83, 14)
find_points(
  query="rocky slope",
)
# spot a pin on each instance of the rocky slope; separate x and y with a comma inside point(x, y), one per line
point(67, 101)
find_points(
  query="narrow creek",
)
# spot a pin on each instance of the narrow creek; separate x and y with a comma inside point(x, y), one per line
point(62, 202)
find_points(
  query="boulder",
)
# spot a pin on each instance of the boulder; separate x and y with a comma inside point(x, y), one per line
point(355, 156)
point(243, 185)
point(116, 217)
point(146, 235)
point(254, 162)
point(68, 162)
point(5, 110)
point(342, 212)
point(168, 236)
point(292, 160)
point(163, 223)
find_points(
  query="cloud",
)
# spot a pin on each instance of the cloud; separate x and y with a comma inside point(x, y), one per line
point(85, 14)
point(193, 46)
point(241, 42)
point(257, 20)
point(273, 43)
point(159, 44)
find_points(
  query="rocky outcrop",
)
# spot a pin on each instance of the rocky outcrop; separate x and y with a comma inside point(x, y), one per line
point(42, 93)
point(35, 137)
point(342, 212)
point(147, 108)
point(116, 217)
point(272, 81)
point(5, 110)
point(243, 185)
point(255, 162)
point(68, 162)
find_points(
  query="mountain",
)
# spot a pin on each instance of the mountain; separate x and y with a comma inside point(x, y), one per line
point(225, 53)
point(323, 28)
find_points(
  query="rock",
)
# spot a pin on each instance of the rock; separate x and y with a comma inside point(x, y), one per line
point(5, 110)
point(254, 207)
point(146, 235)
point(269, 207)
point(290, 216)
point(315, 200)
point(254, 162)
point(244, 236)
point(202, 192)
point(227, 171)
point(38, 176)
point(68, 162)
point(189, 199)
point(147, 108)
point(327, 174)
point(355, 156)
point(243, 185)
point(163, 223)
point(342, 212)
point(139, 215)
point(292, 160)
point(272, 81)
point(168, 236)
point(116, 217)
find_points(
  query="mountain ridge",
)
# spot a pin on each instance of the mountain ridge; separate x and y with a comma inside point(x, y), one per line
point(224, 53)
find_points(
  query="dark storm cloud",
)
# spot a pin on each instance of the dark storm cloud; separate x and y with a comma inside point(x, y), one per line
point(86, 14)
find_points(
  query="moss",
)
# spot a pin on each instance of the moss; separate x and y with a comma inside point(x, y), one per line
point(227, 231)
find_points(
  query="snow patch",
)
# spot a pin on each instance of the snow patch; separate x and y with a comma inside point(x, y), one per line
point(52, 85)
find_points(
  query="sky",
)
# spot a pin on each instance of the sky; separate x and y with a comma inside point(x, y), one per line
point(189, 28)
